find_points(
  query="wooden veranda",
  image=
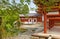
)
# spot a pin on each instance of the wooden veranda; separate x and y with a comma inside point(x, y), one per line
point(51, 18)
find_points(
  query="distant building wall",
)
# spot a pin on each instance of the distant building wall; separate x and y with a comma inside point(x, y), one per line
point(38, 19)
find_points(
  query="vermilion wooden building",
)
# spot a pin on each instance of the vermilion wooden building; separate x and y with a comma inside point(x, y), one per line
point(53, 18)
point(31, 18)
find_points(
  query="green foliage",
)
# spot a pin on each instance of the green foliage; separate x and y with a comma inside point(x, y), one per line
point(25, 8)
point(47, 3)
point(10, 13)
point(22, 1)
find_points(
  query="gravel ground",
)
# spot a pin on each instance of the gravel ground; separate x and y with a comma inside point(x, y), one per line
point(26, 35)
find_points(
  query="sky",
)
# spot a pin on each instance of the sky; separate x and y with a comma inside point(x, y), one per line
point(32, 5)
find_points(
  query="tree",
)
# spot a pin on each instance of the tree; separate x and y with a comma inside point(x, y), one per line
point(10, 13)
point(47, 4)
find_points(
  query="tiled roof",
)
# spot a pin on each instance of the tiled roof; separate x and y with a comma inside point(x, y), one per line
point(31, 14)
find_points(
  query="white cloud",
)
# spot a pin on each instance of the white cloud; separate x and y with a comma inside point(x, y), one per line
point(32, 12)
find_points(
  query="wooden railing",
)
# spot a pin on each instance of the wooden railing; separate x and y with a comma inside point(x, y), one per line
point(53, 19)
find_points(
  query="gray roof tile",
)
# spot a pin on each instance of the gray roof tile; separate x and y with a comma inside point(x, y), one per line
point(33, 14)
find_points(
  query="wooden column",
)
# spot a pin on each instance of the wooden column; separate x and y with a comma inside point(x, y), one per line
point(45, 23)
point(59, 11)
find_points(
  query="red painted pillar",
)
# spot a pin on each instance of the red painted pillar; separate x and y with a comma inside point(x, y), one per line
point(45, 23)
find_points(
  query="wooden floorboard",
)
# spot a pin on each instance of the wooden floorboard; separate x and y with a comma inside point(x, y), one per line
point(54, 32)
